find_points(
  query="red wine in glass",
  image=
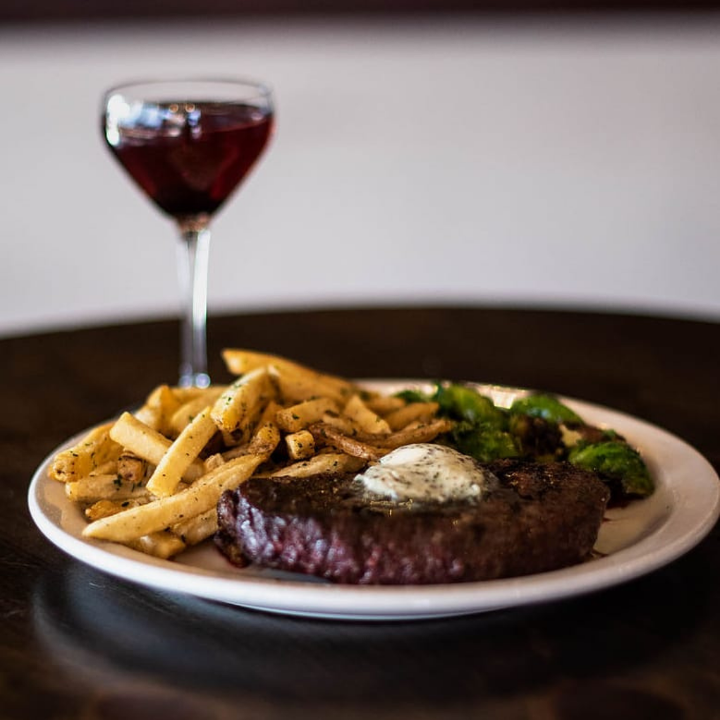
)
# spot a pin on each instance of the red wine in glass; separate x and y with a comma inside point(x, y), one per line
point(188, 145)
point(189, 169)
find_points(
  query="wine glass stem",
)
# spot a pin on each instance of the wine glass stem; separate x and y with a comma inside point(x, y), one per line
point(193, 268)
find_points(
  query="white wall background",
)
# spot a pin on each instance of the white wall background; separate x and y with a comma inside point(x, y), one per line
point(443, 160)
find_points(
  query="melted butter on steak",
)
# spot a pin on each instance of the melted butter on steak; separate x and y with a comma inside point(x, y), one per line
point(426, 472)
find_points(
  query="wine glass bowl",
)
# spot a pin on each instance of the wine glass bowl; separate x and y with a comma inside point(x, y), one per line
point(188, 144)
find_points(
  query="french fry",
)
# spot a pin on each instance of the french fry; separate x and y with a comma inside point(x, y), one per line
point(185, 394)
point(298, 417)
point(198, 528)
point(266, 436)
point(185, 413)
point(300, 445)
point(140, 439)
point(199, 497)
point(416, 432)
point(322, 463)
point(150, 416)
point(158, 407)
point(94, 450)
point(326, 435)
point(133, 435)
point(365, 418)
point(412, 412)
point(92, 488)
point(217, 459)
point(240, 362)
point(341, 423)
point(367, 444)
point(163, 544)
point(293, 388)
point(181, 454)
point(131, 468)
point(384, 404)
point(236, 410)
point(105, 508)
point(107, 468)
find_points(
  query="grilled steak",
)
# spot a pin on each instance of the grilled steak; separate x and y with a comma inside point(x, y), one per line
point(535, 518)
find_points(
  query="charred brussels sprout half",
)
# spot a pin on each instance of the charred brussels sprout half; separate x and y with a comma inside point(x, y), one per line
point(411, 396)
point(463, 403)
point(617, 463)
point(484, 443)
point(481, 428)
point(546, 407)
point(538, 438)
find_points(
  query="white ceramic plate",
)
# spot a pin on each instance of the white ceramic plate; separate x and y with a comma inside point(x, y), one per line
point(633, 541)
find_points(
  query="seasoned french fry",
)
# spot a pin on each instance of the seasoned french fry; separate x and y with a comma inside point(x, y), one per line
point(412, 412)
point(147, 443)
point(297, 417)
point(140, 439)
point(181, 454)
point(300, 445)
point(326, 462)
point(266, 436)
point(199, 497)
point(240, 362)
point(198, 528)
point(364, 443)
point(107, 468)
point(217, 459)
point(105, 508)
point(185, 394)
point(297, 388)
point(361, 414)
point(158, 406)
point(164, 398)
point(416, 432)
point(95, 449)
point(185, 413)
point(131, 468)
point(92, 488)
point(328, 435)
point(341, 423)
point(238, 407)
point(384, 404)
point(163, 544)
point(150, 416)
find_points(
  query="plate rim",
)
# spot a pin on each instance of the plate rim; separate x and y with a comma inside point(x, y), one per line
point(331, 601)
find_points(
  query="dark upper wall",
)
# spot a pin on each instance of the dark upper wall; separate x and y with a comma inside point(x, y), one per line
point(28, 11)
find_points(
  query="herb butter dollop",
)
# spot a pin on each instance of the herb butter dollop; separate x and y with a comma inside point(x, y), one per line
point(427, 473)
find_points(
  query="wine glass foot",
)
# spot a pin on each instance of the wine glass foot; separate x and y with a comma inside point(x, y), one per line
point(201, 380)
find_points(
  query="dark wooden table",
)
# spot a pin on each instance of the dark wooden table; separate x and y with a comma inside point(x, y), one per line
point(76, 643)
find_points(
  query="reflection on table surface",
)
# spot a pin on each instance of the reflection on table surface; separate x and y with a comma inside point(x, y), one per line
point(175, 648)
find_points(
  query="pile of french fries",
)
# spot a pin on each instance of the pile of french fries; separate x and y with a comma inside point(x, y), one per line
point(151, 479)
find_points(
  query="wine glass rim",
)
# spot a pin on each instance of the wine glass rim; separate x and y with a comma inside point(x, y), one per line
point(262, 88)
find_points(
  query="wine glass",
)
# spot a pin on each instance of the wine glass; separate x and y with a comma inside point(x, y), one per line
point(188, 144)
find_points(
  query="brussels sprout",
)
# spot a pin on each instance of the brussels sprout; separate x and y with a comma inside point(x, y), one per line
point(483, 442)
point(616, 462)
point(539, 439)
point(411, 396)
point(464, 403)
point(546, 407)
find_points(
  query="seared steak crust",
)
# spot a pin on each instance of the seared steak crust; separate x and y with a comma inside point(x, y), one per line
point(538, 518)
